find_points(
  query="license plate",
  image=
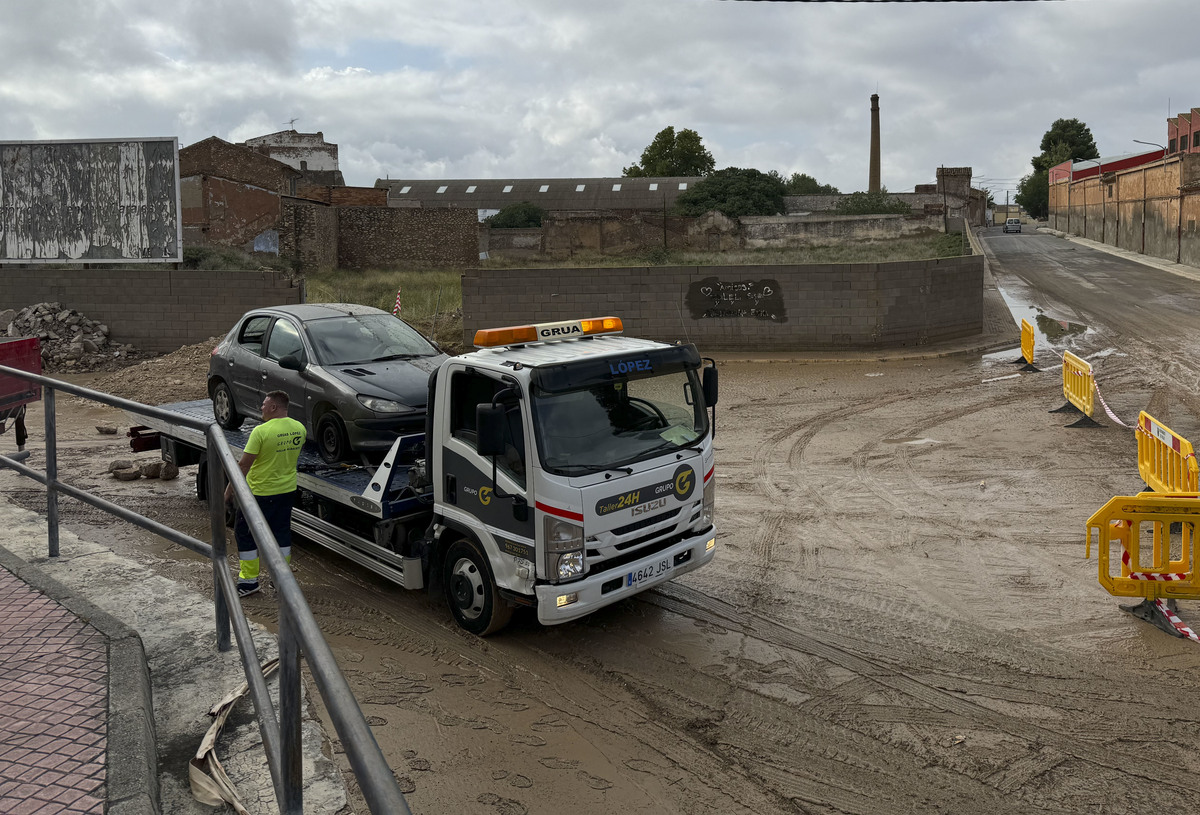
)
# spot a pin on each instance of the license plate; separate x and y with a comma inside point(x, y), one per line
point(648, 572)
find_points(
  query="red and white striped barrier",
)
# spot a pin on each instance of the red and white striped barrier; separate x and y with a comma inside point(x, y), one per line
point(396, 308)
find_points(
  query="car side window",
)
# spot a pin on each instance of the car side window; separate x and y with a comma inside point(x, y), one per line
point(253, 332)
point(285, 339)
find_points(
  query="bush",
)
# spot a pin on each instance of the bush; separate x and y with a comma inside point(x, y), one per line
point(517, 216)
point(871, 203)
point(734, 192)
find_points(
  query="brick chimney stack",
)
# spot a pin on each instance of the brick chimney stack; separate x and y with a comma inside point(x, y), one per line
point(873, 181)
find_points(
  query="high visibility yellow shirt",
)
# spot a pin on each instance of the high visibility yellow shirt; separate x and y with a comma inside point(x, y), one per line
point(276, 445)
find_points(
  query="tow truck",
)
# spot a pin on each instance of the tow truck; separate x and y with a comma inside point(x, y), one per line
point(564, 467)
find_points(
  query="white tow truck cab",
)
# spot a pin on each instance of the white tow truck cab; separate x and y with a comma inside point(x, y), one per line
point(571, 467)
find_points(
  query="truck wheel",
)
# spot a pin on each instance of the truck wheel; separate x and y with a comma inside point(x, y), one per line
point(223, 407)
point(471, 591)
point(331, 438)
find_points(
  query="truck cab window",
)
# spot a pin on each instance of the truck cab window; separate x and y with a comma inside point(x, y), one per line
point(468, 390)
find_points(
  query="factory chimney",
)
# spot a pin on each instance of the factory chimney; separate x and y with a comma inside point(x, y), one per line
point(873, 181)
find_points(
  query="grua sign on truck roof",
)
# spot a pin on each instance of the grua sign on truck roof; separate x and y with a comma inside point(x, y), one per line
point(95, 201)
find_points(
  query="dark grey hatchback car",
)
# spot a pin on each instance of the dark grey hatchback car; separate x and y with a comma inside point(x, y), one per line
point(356, 376)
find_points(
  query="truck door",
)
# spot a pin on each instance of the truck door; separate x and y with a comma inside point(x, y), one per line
point(467, 476)
point(284, 340)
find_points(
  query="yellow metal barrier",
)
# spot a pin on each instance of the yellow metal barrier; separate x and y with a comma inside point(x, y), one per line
point(1166, 460)
point(1027, 341)
point(1144, 522)
point(1079, 386)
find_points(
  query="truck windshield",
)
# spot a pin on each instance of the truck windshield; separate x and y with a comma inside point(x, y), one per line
point(365, 338)
point(617, 423)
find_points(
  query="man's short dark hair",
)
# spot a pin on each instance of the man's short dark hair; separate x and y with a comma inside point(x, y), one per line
point(280, 398)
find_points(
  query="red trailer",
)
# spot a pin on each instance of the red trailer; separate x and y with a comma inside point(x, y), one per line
point(22, 353)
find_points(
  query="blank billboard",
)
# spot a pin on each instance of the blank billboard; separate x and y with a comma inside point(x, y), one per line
point(97, 201)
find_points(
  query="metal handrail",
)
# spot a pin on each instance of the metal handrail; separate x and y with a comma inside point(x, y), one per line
point(298, 630)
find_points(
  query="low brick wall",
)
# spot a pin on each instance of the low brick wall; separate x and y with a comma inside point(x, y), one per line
point(154, 310)
point(743, 308)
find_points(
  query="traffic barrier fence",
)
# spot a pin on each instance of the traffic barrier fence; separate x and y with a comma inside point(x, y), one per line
point(1166, 460)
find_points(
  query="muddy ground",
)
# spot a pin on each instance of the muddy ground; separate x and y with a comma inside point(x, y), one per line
point(899, 618)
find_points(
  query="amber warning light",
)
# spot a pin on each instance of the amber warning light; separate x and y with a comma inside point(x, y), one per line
point(546, 332)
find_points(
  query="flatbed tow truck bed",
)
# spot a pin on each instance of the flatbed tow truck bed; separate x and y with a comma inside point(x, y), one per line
point(366, 514)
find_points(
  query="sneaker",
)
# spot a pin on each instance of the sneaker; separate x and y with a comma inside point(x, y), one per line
point(246, 589)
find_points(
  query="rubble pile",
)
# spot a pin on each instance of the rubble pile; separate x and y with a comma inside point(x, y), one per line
point(69, 340)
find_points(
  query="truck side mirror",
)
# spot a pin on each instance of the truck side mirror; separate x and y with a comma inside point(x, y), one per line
point(489, 429)
point(709, 383)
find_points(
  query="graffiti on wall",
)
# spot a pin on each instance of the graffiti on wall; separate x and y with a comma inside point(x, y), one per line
point(713, 298)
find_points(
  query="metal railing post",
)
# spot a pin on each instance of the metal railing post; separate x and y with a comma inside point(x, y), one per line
point(290, 745)
point(51, 472)
point(216, 523)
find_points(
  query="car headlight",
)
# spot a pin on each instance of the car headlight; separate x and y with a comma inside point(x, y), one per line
point(382, 405)
point(564, 549)
point(710, 501)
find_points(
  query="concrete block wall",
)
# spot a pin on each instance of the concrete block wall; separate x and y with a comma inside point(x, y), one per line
point(745, 308)
point(155, 310)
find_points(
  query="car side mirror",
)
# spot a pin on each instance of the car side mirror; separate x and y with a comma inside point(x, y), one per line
point(489, 429)
point(291, 362)
point(709, 384)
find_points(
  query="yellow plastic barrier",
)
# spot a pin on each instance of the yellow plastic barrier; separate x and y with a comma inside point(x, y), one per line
point(1079, 386)
point(1027, 341)
point(1170, 572)
point(1166, 460)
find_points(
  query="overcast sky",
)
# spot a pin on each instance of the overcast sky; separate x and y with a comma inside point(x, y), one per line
point(550, 88)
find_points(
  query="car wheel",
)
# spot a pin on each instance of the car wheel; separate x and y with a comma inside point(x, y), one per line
point(471, 592)
point(224, 409)
point(332, 443)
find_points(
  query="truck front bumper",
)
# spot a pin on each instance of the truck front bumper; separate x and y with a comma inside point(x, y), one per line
point(570, 601)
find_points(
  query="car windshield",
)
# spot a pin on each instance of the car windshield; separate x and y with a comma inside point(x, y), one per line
point(615, 424)
point(365, 338)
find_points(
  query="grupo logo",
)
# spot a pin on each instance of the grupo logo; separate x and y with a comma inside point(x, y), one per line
point(485, 495)
point(685, 481)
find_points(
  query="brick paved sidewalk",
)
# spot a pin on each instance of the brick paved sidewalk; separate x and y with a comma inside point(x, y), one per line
point(53, 705)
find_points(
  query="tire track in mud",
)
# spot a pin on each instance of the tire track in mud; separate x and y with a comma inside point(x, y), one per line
point(1099, 748)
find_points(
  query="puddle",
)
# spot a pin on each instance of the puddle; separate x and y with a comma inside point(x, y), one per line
point(1047, 330)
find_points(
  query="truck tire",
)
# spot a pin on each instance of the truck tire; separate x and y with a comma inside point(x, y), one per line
point(471, 591)
point(332, 443)
point(224, 410)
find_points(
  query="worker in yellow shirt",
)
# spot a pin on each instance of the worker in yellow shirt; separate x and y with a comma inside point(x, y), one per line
point(269, 465)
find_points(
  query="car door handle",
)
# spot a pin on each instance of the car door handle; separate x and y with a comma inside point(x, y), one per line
point(451, 489)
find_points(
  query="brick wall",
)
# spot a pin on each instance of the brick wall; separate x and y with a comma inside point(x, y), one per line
point(745, 308)
point(154, 310)
point(357, 197)
point(378, 237)
point(308, 233)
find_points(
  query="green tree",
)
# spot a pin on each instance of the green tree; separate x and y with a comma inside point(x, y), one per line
point(671, 154)
point(804, 184)
point(871, 203)
point(517, 216)
point(734, 192)
point(1066, 140)
point(1033, 194)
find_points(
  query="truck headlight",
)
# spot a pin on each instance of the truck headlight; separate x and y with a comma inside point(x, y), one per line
point(564, 549)
point(382, 405)
point(710, 501)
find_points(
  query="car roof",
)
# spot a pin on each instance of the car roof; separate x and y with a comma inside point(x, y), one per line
point(317, 311)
